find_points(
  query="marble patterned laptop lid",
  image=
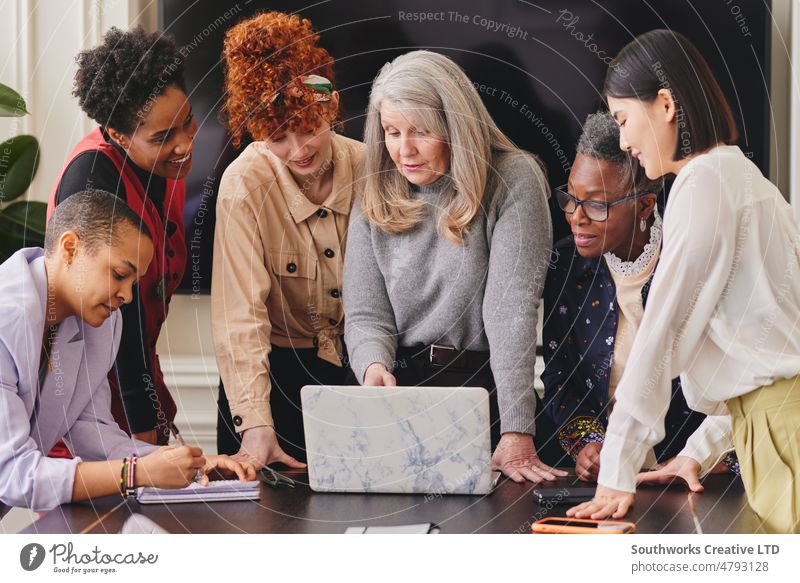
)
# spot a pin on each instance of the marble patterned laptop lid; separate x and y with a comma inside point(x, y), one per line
point(426, 440)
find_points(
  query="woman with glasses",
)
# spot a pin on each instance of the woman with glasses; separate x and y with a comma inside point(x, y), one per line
point(724, 308)
point(595, 296)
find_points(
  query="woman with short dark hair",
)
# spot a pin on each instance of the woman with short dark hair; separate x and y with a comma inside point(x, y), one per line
point(726, 297)
point(60, 335)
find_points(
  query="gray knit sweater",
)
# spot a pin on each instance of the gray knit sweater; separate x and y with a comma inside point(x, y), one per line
point(419, 288)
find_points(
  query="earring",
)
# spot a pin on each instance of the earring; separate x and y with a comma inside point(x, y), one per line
point(642, 225)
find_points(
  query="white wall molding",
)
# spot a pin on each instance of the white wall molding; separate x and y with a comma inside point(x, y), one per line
point(90, 23)
point(193, 381)
point(24, 50)
point(39, 41)
point(780, 89)
point(145, 13)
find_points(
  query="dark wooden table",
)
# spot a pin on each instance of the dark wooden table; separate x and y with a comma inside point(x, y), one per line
point(722, 508)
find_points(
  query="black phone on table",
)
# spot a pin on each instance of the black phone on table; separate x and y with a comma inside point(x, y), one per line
point(563, 494)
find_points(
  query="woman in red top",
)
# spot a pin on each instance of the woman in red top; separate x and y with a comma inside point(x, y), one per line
point(132, 86)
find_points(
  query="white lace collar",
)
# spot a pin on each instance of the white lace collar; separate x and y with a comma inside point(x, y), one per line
point(639, 265)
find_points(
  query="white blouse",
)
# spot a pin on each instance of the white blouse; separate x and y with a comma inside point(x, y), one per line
point(723, 312)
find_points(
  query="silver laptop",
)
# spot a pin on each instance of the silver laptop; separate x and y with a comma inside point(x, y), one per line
point(427, 440)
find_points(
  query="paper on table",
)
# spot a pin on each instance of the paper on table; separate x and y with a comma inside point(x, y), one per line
point(216, 491)
point(423, 528)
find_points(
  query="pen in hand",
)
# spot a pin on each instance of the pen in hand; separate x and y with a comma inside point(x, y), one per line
point(177, 434)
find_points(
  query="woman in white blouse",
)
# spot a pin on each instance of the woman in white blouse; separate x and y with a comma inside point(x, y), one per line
point(727, 294)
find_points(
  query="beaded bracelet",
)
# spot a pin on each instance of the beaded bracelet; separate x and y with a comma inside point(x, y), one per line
point(122, 473)
point(127, 482)
point(130, 490)
point(579, 432)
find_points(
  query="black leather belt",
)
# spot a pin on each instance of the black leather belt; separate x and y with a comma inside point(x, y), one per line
point(442, 356)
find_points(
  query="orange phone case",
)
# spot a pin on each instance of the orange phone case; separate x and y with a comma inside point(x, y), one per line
point(544, 526)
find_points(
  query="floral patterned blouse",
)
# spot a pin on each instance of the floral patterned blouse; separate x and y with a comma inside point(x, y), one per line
point(580, 325)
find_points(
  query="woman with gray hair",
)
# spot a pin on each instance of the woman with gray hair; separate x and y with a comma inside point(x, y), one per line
point(448, 250)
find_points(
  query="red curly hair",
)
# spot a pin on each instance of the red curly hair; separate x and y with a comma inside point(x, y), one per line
point(265, 55)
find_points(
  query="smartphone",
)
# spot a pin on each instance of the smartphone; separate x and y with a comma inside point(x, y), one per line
point(563, 525)
point(563, 495)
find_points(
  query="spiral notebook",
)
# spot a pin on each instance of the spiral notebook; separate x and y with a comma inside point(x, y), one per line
point(216, 491)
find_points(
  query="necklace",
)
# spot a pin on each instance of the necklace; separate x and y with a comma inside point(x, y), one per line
point(639, 265)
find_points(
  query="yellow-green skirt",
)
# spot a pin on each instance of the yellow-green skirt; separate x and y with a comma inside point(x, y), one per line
point(766, 434)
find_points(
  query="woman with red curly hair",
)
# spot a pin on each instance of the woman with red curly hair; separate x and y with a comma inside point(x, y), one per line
point(282, 215)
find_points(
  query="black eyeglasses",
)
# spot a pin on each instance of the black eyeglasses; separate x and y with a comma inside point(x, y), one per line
point(596, 210)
